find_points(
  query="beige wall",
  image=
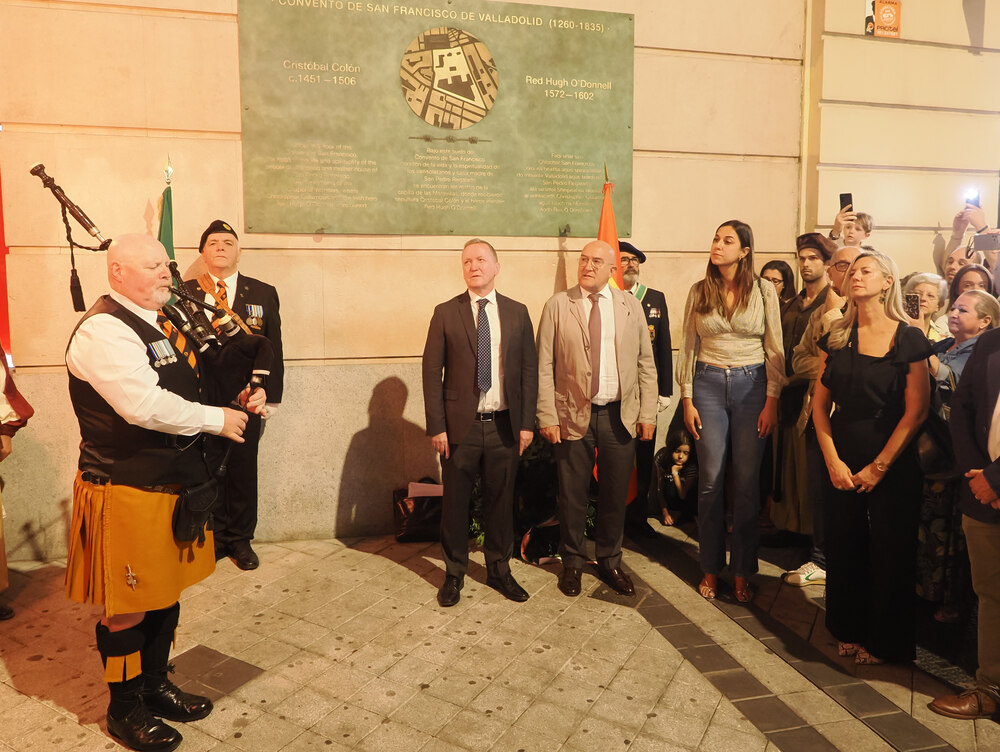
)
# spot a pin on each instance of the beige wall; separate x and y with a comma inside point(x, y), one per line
point(905, 125)
point(102, 91)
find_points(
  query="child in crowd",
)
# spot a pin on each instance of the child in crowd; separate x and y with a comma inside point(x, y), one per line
point(677, 477)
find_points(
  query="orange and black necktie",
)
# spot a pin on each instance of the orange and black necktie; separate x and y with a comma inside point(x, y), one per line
point(220, 293)
point(178, 340)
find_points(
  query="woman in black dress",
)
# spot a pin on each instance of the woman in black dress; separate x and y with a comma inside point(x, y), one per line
point(875, 375)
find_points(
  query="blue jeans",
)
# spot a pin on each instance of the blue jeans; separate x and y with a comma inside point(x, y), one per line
point(729, 401)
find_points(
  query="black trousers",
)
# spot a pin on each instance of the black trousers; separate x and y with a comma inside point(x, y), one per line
point(615, 449)
point(645, 504)
point(871, 549)
point(235, 511)
point(490, 450)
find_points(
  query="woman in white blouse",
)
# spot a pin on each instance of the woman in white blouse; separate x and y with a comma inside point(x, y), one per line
point(731, 372)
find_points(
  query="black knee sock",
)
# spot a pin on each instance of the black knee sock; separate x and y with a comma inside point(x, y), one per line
point(121, 655)
point(158, 628)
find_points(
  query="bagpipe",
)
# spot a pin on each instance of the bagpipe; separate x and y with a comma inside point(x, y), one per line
point(231, 357)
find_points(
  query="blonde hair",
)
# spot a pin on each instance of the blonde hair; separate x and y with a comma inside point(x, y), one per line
point(892, 305)
point(985, 305)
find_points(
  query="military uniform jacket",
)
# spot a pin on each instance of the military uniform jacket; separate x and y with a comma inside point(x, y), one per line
point(256, 303)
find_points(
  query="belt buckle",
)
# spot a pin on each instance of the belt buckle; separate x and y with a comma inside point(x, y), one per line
point(486, 417)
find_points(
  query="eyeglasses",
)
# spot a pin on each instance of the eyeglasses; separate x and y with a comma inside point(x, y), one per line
point(630, 261)
point(597, 263)
point(842, 266)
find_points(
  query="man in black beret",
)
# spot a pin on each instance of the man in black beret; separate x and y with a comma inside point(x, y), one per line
point(254, 305)
point(654, 305)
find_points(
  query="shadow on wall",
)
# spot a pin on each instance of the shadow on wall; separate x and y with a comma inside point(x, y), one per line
point(386, 455)
point(975, 20)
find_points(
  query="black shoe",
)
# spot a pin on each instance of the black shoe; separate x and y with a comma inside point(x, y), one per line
point(6, 612)
point(243, 556)
point(450, 591)
point(569, 581)
point(167, 700)
point(618, 580)
point(141, 731)
point(507, 586)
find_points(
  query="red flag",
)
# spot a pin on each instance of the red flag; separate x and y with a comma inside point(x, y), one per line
point(4, 312)
point(608, 231)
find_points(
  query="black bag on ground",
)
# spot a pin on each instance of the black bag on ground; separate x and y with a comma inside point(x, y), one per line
point(416, 518)
point(192, 511)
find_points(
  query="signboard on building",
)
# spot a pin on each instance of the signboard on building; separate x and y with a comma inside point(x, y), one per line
point(447, 116)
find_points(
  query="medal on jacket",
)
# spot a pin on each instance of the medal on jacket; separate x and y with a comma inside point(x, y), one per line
point(255, 316)
point(162, 352)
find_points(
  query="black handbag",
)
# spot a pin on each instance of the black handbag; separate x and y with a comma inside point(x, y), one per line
point(417, 518)
point(935, 452)
point(192, 511)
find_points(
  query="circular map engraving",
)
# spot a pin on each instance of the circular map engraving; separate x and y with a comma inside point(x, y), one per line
point(448, 77)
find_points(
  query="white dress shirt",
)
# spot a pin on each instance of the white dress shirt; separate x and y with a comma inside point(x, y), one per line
point(108, 354)
point(609, 389)
point(494, 399)
point(231, 282)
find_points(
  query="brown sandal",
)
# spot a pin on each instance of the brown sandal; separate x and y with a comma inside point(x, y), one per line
point(847, 649)
point(743, 590)
point(707, 586)
point(864, 658)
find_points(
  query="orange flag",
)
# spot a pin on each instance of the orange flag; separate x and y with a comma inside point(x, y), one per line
point(608, 231)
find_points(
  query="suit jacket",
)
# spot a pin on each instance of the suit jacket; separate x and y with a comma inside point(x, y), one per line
point(654, 305)
point(564, 363)
point(971, 414)
point(253, 292)
point(451, 400)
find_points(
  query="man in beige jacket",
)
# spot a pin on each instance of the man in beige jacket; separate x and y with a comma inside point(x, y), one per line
point(597, 390)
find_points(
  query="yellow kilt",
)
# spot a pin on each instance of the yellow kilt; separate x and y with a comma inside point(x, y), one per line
point(122, 551)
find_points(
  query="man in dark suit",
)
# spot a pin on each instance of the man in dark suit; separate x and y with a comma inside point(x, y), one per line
point(255, 305)
point(480, 415)
point(975, 433)
point(654, 305)
point(596, 392)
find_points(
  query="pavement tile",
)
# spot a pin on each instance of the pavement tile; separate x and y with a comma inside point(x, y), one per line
point(903, 732)
point(862, 700)
point(426, 713)
point(550, 720)
point(685, 636)
point(719, 738)
point(472, 730)
point(347, 724)
point(738, 684)
point(769, 714)
point(806, 739)
point(708, 658)
point(397, 737)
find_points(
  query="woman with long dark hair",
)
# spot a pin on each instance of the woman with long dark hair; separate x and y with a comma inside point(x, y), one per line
point(780, 274)
point(732, 369)
point(874, 372)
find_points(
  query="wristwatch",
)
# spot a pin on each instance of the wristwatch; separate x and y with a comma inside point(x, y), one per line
point(880, 466)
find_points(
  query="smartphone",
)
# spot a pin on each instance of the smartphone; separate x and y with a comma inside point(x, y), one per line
point(911, 305)
point(987, 242)
point(972, 197)
point(846, 199)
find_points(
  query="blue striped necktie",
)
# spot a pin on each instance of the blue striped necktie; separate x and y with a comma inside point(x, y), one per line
point(483, 371)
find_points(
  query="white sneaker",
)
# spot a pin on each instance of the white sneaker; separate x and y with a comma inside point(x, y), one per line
point(807, 574)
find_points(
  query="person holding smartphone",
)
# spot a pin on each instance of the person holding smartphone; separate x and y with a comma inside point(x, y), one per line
point(851, 228)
